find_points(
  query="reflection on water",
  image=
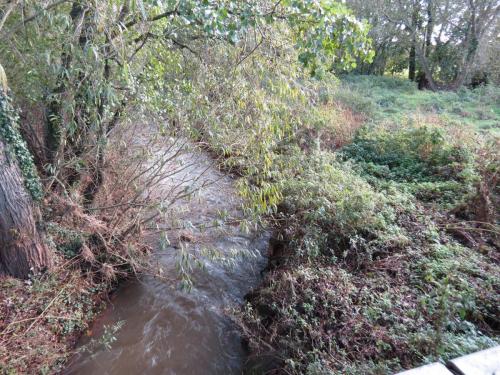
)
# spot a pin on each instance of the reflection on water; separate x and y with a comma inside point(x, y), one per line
point(169, 331)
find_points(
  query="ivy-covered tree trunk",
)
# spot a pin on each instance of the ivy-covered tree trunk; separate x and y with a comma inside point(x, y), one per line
point(22, 249)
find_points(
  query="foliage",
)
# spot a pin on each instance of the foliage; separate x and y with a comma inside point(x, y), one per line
point(106, 340)
point(328, 210)
point(68, 242)
point(84, 63)
point(360, 270)
point(412, 154)
point(373, 320)
point(423, 160)
point(9, 131)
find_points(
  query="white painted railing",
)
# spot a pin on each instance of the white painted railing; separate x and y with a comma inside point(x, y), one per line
point(486, 362)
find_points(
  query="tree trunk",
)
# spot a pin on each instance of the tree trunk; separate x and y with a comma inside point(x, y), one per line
point(470, 50)
point(427, 74)
point(412, 62)
point(22, 250)
point(429, 30)
point(54, 117)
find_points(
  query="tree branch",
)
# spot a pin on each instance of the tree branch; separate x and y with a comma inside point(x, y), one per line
point(6, 14)
point(153, 19)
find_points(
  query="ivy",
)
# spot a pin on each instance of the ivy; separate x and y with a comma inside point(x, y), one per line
point(9, 132)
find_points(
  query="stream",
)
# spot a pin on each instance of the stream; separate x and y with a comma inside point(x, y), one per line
point(168, 330)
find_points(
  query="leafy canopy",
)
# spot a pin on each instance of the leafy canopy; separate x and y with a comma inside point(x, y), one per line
point(326, 32)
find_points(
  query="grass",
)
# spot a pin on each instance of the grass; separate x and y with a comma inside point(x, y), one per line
point(394, 100)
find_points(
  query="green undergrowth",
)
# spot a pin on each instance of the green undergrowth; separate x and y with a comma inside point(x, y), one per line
point(371, 270)
point(422, 160)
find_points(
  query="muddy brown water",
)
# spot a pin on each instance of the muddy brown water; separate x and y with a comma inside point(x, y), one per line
point(166, 329)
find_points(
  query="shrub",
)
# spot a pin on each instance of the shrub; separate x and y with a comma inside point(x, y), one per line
point(423, 158)
point(329, 206)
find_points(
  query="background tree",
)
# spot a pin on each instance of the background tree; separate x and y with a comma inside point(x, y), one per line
point(439, 38)
point(387, 53)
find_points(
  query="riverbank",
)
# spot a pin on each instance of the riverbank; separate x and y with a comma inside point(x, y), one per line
point(42, 318)
point(386, 250)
